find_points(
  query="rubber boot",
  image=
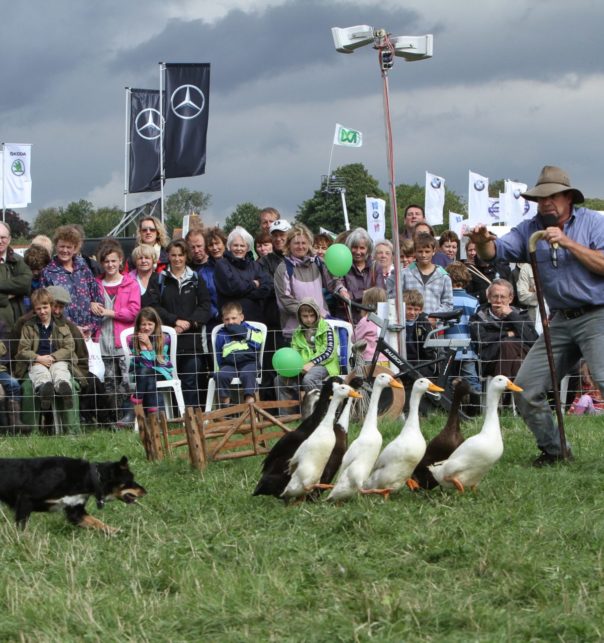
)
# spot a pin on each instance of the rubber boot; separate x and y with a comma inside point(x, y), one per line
point(13, 411)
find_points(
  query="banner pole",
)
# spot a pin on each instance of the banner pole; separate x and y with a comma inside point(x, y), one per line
point(162, 68)
point(3, 190)
point(126, 148)
point(343, 196)
point(329, 168)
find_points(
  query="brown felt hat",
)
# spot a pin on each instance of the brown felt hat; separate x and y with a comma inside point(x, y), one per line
point(553, 180)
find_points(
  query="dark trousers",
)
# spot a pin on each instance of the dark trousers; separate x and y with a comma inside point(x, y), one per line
point(247, 374)
point(188, 368)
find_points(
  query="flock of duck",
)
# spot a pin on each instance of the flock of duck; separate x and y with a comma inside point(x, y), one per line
point(305, 461)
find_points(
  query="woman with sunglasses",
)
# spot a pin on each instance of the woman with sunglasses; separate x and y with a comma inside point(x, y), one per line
point(151, 232)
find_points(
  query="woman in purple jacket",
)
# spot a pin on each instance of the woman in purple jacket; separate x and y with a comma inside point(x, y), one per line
point(300, 275)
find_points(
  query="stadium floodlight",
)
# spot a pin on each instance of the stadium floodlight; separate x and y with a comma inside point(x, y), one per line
point(350, 38)
point(411, 48)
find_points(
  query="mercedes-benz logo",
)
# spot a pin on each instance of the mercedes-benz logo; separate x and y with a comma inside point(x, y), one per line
point(147, 124)
point(187, 101)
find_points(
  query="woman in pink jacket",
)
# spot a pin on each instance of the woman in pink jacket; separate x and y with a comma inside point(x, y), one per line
point(122, 301)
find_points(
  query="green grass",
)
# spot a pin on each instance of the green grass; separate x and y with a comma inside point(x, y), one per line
point(201, 559)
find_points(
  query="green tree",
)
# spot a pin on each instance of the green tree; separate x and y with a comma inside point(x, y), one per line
point(47, 220)
point(325, 210)
point(19, 228)
point(78, 212)
point(102, 221)
point(406, 194)
point(182, 202)
point(594, 204)
point(246, 215)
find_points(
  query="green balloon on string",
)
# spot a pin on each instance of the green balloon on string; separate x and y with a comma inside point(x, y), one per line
point(338, 259)
point(287, 362)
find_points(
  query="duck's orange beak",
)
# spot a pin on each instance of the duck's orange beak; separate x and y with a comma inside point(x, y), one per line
point(512, 387)
point(354, 393)
point(395, 384)
point(433, 388)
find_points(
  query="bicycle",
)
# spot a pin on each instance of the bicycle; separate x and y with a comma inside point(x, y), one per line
point(392, 401)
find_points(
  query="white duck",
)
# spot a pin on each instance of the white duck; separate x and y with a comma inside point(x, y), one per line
point(363, 452)
point(307, 464)
point(473, 459)
point(399, 458)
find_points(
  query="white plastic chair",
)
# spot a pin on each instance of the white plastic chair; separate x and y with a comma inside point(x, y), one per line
point(345, 349)
point(235, 381)
point(164, 386)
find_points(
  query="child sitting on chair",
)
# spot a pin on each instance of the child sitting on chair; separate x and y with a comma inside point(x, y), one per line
point(238, 346)
point(589, 399)
point(317, 343)
point(366, 330)
point(150, 359)
point(47, 350)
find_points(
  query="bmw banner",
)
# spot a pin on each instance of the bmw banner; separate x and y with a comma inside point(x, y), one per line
point(145, 136)
point(187, 94)
point(15, 191)
point(478, 199)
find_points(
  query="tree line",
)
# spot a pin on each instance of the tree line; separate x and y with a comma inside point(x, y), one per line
point(322, 209)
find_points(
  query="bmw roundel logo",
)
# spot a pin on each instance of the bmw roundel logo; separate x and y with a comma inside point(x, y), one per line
point(435, 182)
point(517, 193)
point(479, 185)
point(527, 207)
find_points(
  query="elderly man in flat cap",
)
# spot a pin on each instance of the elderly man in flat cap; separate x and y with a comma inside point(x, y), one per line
point(571, 265)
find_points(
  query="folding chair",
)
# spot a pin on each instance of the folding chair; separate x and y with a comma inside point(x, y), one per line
point(165, 387)
point(235, 381)
point(344, 331)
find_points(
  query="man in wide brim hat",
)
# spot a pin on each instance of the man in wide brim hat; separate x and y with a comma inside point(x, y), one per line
point(570, 259)
point(552, 180)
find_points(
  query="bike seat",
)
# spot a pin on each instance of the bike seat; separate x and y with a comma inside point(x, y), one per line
point(448, 315)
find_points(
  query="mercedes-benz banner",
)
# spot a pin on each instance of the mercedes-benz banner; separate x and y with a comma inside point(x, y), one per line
point(145, 136)
point(187, 94)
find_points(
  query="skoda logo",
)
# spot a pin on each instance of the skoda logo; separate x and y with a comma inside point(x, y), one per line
point(187, 101)
point(17, 168)
point(517, 193)
point(479, 185)
point(147, 124)
point(435, 183)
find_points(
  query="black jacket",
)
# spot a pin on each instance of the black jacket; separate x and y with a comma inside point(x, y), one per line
point(189, 301)
point(488, 331)
point(234, 280)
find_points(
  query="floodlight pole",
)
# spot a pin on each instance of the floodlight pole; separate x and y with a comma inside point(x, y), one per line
point(386, 59)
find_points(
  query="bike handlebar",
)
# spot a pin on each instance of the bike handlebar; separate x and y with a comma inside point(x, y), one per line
point(354, 304)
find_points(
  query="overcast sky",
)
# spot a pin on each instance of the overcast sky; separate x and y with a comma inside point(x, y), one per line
point(513, 85)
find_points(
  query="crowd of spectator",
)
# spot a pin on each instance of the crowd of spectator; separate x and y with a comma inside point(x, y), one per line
point(277, 277)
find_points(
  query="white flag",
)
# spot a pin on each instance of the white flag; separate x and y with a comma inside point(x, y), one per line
point(494, 209)
point(347, 137)
point(458, 224)
point(514, 203)
point(16, 176)
point(435, 199)
point(376, 218)
point(478, 199)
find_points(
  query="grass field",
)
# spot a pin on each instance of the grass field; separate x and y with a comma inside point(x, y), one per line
point(200, 559)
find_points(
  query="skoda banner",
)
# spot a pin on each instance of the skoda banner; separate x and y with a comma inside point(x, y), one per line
point(187, 93)
point(15, 177)
point(145, 133)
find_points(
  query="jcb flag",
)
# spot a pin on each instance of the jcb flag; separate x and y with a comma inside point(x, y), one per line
point(347, 137)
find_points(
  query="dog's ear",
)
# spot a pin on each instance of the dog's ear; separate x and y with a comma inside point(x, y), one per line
point(124, 462)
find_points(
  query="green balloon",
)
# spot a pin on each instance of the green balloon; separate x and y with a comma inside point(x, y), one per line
point(287, 362)
point(338, 259)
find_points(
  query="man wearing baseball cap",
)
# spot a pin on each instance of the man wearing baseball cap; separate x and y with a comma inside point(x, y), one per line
point(278, 230)
point(571, 266)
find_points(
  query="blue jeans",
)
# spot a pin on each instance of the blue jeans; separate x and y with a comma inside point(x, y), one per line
point(188, 366)
point(247, 374)
point(571, 338)
point(11, 386)
point(145, 383)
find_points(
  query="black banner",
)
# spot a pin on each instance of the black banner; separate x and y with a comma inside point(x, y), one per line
point(145, 171)
point(187, 102)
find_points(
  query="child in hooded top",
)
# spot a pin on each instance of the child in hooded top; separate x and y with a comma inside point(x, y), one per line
point(317, 343)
